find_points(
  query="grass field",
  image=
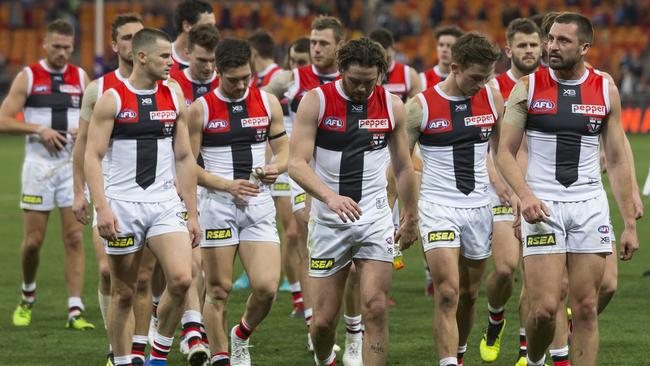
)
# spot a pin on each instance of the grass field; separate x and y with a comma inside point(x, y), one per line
point(281, 340)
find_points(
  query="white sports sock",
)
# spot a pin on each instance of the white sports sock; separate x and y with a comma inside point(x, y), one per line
point(295, 287)
point(535, 363)
point(448, 361)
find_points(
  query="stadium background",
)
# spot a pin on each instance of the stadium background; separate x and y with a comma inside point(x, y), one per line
point(621, 48)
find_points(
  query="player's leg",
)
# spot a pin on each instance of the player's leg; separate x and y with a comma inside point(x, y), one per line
point(174, 253)
point(104, 285)
point(191, 342)
point(142, 306)
point(353, 319)
point(34, 225)
point(559, 348)
point(523, 315)
point(74, 263)
point(291, 260)
point(610, 280)
point(218, 267)
point(327, 297)
point(470, 272)
point(585, 276)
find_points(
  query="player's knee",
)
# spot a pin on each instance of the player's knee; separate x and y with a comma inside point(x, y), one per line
point(375, 310)
point(33, 242)
point(219, 291)
point(104, 274)
point(178, 284)
point(467, 296)
point(265, 292)
point(73, 239)
point(609, 285)
point(323, 324)
point(504, 271)
point(291, 234)
point(585, 309)
point(447, 296)
point(125, 296)
point(564, 290)
point(543, 313)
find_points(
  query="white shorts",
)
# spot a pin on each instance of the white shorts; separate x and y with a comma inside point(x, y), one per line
point(46, 186)
point(332, 247)
point(282, 186)
point(469, 229)
point(573, 227)
point(139, 221)
point(224, 223)
point(298, 196)
point(500, 212)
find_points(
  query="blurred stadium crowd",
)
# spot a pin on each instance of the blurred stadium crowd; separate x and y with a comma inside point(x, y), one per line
point(622, 47)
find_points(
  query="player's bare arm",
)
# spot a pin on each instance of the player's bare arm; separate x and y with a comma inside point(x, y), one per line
point(279, 143)
point(618, 165)
point(303, 140)
point(186, 166)
point(99, 135)
point(510, 138)
point(500, 186)
point(416, 85)
point(414, 115)
point(279, 84)
point(404, 176)
point(13, 104)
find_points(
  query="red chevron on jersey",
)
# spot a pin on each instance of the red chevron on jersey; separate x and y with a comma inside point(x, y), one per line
point(193, 89)
point(263, 78)
point(144, 116)
point(307, 78)
point(505, 82)
point(179, 64)
point(431, 77)
point(398, 80)
point(54, 89)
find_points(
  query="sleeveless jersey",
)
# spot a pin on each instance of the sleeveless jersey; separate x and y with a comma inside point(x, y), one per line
point(432, 77)
point(397, 80)
point(262, 78)
point(504, 83)
point(179, 64)
point(142, 158)
point(454, 134)
point(193, 89)
point(234, 136)
point(350, 155)
point(54, 101)
point(565, 119)
point(305, 79)
point(108, 81)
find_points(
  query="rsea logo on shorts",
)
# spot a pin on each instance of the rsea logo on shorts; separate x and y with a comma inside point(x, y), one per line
point(446, 235)
point(321, 264)
point(281, 187)
point(32, 200)
point(122, 242)
point(541, 240)
point(218, 234)
point(299, 199)
point(182, 215)
point(501, 210)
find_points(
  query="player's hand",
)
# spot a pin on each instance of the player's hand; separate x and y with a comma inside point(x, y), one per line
point(503, 191)
point(516, 226)
point(270, 175)
point(80, 208)
point(53, 140)
point(638, 206)
point(345, 207)
point(628, 244)
point(242, 189)
point(533, 210)
point(195, 231)
point(408, 231)
point(107, 224)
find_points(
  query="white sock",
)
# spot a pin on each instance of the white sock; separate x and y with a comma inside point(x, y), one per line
point(28, 287)
point(122, 360)
point(352, 324)
point(308, 315)
point(326, 362)
point(191, 316)
point(75, 302)
point(295, 287)
point(462, 349)
point(535, 363)
point(103, 300)
point(560, 352)
point(448, 361)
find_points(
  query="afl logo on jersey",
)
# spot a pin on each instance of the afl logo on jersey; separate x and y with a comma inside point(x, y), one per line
point(126, 115)
point(333, 124)
point(542, 105)
point(438, 125)
point(41, 88)
point(217, 126)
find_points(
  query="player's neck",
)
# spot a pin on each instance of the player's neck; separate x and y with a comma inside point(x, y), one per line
point(261, 64)
point(196, 77)
point(140, 80)
point(327, 70)
point(124, 68)
point(518, 74)
point(52, 67)
point(574, 73)
point(179, 46)
point(450, 87)
point(445, 69)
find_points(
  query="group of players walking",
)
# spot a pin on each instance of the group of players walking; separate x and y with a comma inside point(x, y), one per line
point(219, 112)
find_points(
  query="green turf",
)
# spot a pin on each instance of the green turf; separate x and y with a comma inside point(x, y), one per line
point(281, 340)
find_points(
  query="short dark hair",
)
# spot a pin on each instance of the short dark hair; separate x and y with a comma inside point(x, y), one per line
point(146, 37)
point(122, 19)
point(262, 42)
point(189, 11)
point(232, 53)
point(473, 48)
point(325, 22)
point(60, 26)
point(522, 25)
point(382, 36)
point(362, 52)
point(300, 45)
point(204, 35)
point(451, 30)
point(547, 21)
point(585, 29)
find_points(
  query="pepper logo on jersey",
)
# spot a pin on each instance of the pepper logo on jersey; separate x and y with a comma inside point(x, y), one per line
point(69, 89)
point(255, 122)
point(334, 124)
point(595, 124)
point(122, 242)
point(162, 115)
point(542, 105)
point(438, 125)
point(126, 115)
point(541, 240)
point(374, 124)
point(478, 121)
point(589, 109)
point(445, 235)
point(321, 264)
point(217, 126)
point(218, 234)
